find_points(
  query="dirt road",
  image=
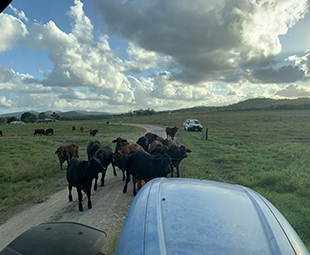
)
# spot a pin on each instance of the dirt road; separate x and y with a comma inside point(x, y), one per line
point(109, 210)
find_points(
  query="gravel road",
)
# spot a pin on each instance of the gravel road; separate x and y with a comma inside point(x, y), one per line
point(109, 210)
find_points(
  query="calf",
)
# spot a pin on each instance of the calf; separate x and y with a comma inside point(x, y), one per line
point(49, 131)
point(105, 155)
point(66, 153)
point(143, 166)
point(122, 151)
point(93, 132)
point(73, 128)
point(92, 147)
point(177, 154)
point(171, 132)
point(39, 132)
point(80, 174)
point(120, 142)
point(82, 129)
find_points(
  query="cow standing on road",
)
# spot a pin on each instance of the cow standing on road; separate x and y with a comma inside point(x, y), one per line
point(170, 132)
point(143, 166)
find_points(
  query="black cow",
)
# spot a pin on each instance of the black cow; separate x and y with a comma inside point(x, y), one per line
point(143, 166)
point(39, 131)
point(105, 155)
point(49, 131)
point(80, 174)
point(143, 142)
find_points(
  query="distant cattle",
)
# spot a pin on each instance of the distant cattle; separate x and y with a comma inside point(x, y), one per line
point(73, 128)
point(92, 147)
point(151, 137)
point(82, 129)
point(49, 131)
point(39, 132)
point(120, 142)
point(105, 155)
point(177, 154)
point(171, 132)
point(80, 174)
point(141, 165)
point(93, 132)
point(1, 133)
point(121, 152)
point(66, 153)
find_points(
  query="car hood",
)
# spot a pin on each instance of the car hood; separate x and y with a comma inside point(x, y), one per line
point(187, 216)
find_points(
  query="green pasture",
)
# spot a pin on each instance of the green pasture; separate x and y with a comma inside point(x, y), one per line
point(267, 151)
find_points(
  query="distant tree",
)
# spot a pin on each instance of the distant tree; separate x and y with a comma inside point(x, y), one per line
point(3, 120)
point(55, 116)
point(28, 117)
point(42, 116)
point(12, 118)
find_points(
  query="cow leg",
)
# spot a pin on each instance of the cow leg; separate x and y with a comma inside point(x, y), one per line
point(134, 181)
point(89, 201)
point(139, 185)
point(178, 171)
point(61, 165)
point(124, 175)
point(102, 178)
point(126, 183)
point(114, 172)
point(171, 166)
point(80, 195)
point(70, 193)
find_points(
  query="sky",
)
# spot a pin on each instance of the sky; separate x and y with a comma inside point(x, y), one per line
point(118, 56)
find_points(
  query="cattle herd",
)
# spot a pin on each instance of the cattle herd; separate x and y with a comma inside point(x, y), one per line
point(150, 157)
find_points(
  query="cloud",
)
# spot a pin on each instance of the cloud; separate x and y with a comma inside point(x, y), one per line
point(13, 32)
point(20, 14)
point(210, 40)
point(285, 74)
point(294, 91)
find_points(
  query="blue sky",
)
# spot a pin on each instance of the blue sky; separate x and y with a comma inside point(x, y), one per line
point(116, 56)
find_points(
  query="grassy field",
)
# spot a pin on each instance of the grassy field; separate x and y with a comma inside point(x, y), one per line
point(267, 151)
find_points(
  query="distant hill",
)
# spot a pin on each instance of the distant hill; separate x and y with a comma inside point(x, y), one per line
point(257, 104)
point(61, 114)
point(249, 104)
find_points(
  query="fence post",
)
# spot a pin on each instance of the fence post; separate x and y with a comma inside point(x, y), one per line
point(206, 133)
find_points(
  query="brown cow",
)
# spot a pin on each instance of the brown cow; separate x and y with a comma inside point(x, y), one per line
point(92, 147)
point(151, 137)
point(66, 153)
point(93, 132)
point(39, 131)
point(171, 132)
point(49, 131)
point(82, 129)
point(177, 154)
point(1, 133)
point(157, 148)
point(73, 128)
point(124, 150)
point(120, 142)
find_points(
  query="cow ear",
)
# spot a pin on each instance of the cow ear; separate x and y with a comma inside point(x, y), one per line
point(114, 141)
point(188, 150)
